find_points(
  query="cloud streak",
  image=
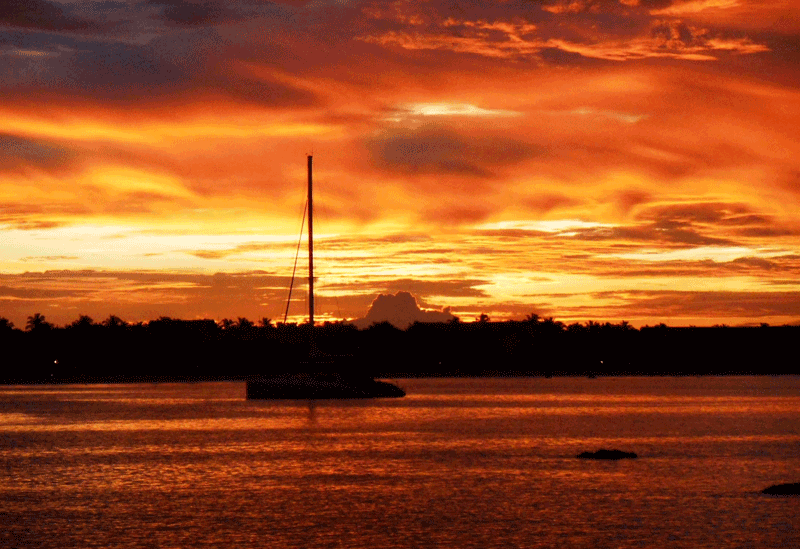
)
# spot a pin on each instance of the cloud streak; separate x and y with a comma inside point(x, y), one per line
point(507, 36)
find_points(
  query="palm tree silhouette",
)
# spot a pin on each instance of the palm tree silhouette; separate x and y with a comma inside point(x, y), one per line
point(226, 324)
point(114, 322)
point(36, 323)
point(243, 323)
point(84, 321)
point(266, 323)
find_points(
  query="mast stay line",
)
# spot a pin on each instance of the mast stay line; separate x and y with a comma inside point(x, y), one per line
point(294, 269)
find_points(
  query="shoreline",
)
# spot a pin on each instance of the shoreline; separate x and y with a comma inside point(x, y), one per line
point(133, 380)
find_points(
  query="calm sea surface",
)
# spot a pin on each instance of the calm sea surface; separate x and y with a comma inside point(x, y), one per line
point(457, 463)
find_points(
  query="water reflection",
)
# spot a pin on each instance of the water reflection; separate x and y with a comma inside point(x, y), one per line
point(312, 412)
point(487, 467)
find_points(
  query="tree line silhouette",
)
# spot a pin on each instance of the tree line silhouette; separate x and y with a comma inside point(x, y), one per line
point(168, 349)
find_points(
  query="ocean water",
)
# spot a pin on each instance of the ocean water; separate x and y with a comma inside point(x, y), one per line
point(457, 463)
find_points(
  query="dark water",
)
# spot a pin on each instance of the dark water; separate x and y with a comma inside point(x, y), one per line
point(457, 463)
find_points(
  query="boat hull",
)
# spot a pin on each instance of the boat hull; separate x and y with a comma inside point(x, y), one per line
point(318, 387)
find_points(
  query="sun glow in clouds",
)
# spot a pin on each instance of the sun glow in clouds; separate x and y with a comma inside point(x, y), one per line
point(454, 109)
point(116, 247)
point(621, 116)
point(562, 226)
point(29, 53)
point(718, 254)
point(695, 6)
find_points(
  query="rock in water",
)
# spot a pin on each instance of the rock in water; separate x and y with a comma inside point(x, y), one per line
point(607, 454)
point(789, 489)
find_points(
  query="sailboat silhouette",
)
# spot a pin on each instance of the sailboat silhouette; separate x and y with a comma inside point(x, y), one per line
point(313, 383)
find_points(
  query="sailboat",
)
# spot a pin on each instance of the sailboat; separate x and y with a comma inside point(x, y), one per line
point(315, 384)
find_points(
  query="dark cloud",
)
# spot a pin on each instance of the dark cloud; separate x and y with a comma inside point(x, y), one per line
point(19, 153)
point(682, 215)
point(240, 249)
point(546, 202)
point(674, 226)
point(457, 214)
point(133, 60)
point(700, 223)
point(555, 56)
point(754, 264)
point(424, 152)
point(654, 234)
point(593, 22)
point(126, 72)
point(746, 219)
point(263, 91)
point(192, 12)
point(593, 7)
point(43, 15)
point(627, 200)
point(94, 71)
point(35, 216)
point(768, 232)
point(438, 150)
point(173, 68)
point(200, 13)
point(36, 294)
point(670, 33)
point(658, 4)
point(690, 237)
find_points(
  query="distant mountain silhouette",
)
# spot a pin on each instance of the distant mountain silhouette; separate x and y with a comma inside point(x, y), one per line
point(400, 310)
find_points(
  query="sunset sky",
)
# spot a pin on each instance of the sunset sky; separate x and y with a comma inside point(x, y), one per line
point(599, 160)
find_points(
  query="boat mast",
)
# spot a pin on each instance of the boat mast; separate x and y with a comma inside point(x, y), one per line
point(310, 249)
